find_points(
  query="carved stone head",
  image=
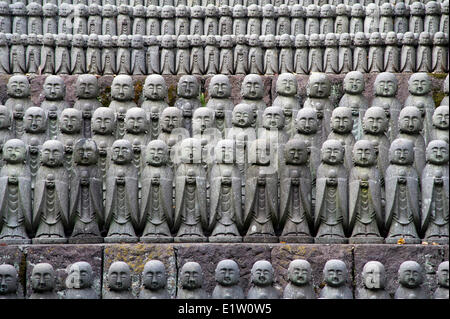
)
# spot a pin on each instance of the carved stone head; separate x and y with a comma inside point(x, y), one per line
point(191, 150)
point(252, 87)
point(80, 275)
point(262, 273)
point(386, 85)
point(374, 275)
point(122, 88)
point(14, 151)
point(154, 275)
point(35, 120)
point(243, 115)
point(54, 88)
point(191, 276)
point(375, 121)
point(401, 152)
point(332, 152)
point(441, 117)
point(43, 278)
point(364, 153)
point(226, 41)
point(354, 82)
point(121, 152)
point(119, 276)
point(400, 9)
point(300, 272)
point(437, 152)
point(103, 121)
point(315, 40)
point(425, 38)
point(225, 151)
point(286, 84)
point(188, 87)
point(419, 84)
point(70, 121)
point(155, 87)
point(296, 152)
point(306, 121)
point(268, 11)
point(442, 274)
point(273, 118)
point(86, 86)
point(157, 153)
point(18, 86)
point(260, 152)
point(331, 40)
point(220, 87)
point(5, 117)
point(9, 279)
point(360, 39)
point(410, 274)
point(136, 121)
point(342, 120)
point(301, 41)
point(170, 119)
point(318, 86)
point(410, 120)
point(85, 152)
point(335, 273)
point(52, 153)
point(440, 38)
point(202, 119)
point(227, 273)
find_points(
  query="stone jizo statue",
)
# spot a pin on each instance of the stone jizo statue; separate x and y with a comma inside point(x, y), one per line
point(154, 280)
point(9, 282)
point(262, 278)
point(79, 282)
point(410, 277)
point(43, 282)
point(118, 281)
point(300, 281)
point(227, 277)
point(336, 276)
point(442, 274)
point(374, 281)
point(191, 278)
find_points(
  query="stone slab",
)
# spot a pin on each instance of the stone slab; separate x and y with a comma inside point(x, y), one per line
point(392, 256)
point(61, 257)
point(136, 255)
point(14, 255)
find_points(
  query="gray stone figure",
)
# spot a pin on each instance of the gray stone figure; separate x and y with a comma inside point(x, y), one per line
point(153, 26)
point(432, 17)
point(440, 124)
point(139, 19)
point(376, 53)
point(226, 55)
point(443, 24)
point(182, 59)
point(119, 282)
point(410, 126)
point(386, 20)
point(252, 92)
point(191, 216)
point(297, 19)
point(239, 19)
point(424, 53)
point(69, 131)
point(255, 55)
point(19, 17)
point(327, 17)
point(312, 23)
point(270, 62)
point(9, 282)
point(19, 91)
point(417, 12)
point(353, 98)
point(341, 130)
point(182, 14)
point(5, 18)
point(188, 101)
point(357, 18)
point(80, 12)
point(225, 20)
point(287, 99)
point(191, 282)
point(122, 94)
point(342, 21)
point(315, 54)
point(62, 54)
point(167, 63)
point(94, 21)
point(410, 277)
point(372, 19)
point(225, 218)
point(254, 19)
point(196, 22)
point(6, 129)
point(385, 87)
point(51, 196)
point(212, 55)
point(64, 18)
point(138, 55)
point(331, 214)
point(47, 65)
point(227, 277)
point(445, 100)
point(300, 281)
point(408, 53)
point(301, 54)
point(318, 90)
point(336, 276)
point(17, 54)
point(77, 55)
point(152, 58)
point(440, 52)
point(391, 53)
point(365, 194)
point(171, 130)
point(220, 92)
point(295, 193)
point(54, 104)
point(79, 282)
point(86, 213)
point(124, 26)
point(197, 57)
point(360, 53)
point(283, 19)
point(262, 279)
point(86, 91)
point(43, 282)
point(434, 186)
point(93, 55)
point(155, 91)
point(108, 55)
point(268, 25)
point(261, 213)
point(15, 191)
point(123, 55)
point(121, 206)
point(442, 274)
point(167, 20)
point(401, 22)
point(154, 280)
point(402, 215)
point(374, 281)
point(33, 54)
point(136, 132)
point(35, 126)
point(286, 55)
point(330, 55)
point(34, 13)
point(156, 204)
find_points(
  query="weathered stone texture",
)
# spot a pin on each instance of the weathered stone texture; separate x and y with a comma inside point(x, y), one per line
point(14, 255)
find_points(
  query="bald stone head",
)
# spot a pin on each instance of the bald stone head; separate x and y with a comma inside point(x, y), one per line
point(121, 152)
point(442, 274)
point(332, 152)
point(122, 88)
point(155, 87)
point(410, 120)
point(85, 152)
point(202, 119)
point(419, 84)
point(18, 86)
point(35, 120)
point(296, 152)
point(335, 273)
point(410, 274)
point(242, 115)
point(191, 276)
point(374, 275)
point(273, 118)
point(80, 275)
point(401, 152)
point(136, 120)
point(119, 276)
point(262, 273)
point(300, 272)
point(5, 117)
point(43, 278)
point(386, 85)
point(191, 150)
point(319, 85)
point(354, 82)
point(342, 120)
point(52, 153)
point(224, 151)
point(14, 151)
point(170, 119)
point(9, 279)
point(188, 87)
point(103, 121)
point(441, 117)
point(364, 153)
point(286, 84)
point(375, 121)
point(252, 87)
point(306, 121)
point(86, 86)
point(54, 88)
point(70, 121)
point(219, 87)
point(437, 152)
point(227, 273)
point(154, 275)
point(157, 153)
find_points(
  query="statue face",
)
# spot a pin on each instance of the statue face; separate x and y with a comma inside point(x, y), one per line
point(106, 41)
point(319, 86)
point(410, 275)
point(157, 153)
point(220, 87)
point(419, 84)
point(122, 88)
point(287, 85)
point(182, 41)
point(296, 152)
point(364, 153)
point(188, 86)
point(307, 121)
point(135, 121)
point(400, 9)
point(103, 121)
point(252, 87)
point(8, 279)
point(354, 83)
point(374, 275)
point(332, 152)
point(119, 276)
point(43, 278)
point(225, 151)
point(262, 274)
point(273, 118)
point(341, 120)
point(191, 150)
point(242, 116)
point(442, 275)
point(437, 152)
point(80, 274)
point(335, 274)
point(227, 273)
point(262, 153)
point(70, 121)
point(386, 85)
point(191, 276)
point(401, 152)
point(85, 152)
point(375, 121)
point(410, 120)
point(299, 272)
point(170, 119)
point(14, 151)
point(202, 119)
point(122, 152)
point(54, 88)
point(35, 120)
point(441, 118)
point(154, 275)
point(87, 87)
point(52, 153)
point(18, 86)
point(5, 119)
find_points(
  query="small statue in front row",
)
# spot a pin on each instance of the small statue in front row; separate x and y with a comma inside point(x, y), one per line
point(263, 280)
point(410, 277)
point(154, 281)
point(402, 215)
point(79, 282)
point(9, 282)
point(119, 281)
point(227, 277)
point(335, 275)
point(374, 280)
point(300, 281)
point(43, 282)
point(442, 274)
point(435, 193)
point(191, 279)
point(441, 123)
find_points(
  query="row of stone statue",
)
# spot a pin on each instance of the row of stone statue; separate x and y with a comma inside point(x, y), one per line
point(227, 275)
point(241, 54)
point(214, 20)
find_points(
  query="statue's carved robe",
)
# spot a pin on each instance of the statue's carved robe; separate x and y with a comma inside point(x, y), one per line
point(386, 24)
point(153, 60)
point(431, 23)
point(139, 26)
point(182, 61)
point(94, 25)
point(167, 61)
point(33, 58)
point(182, 26)
point(315, 59)
point(254, 26)
point(330, 60)
point(326, 25)
point(138, 59)
point(376, 59)
point(4, 59)
point(153, 27)
point(416, 24)
point(271, 61)
point(286, 60)
point(225, 25)
point(62, 60)
point(17, 58)
point(391, 59)
point(440, 58)
point(312, 25)
point(301, 61)
point(360, 59)
point(268, 26)
point(342, 24)
point(93, 60)
point(108, 61)
point(356, 24)
point(196, 26)
point(401, 24)
point(212, 59)
point(424, 59)
point(255, 60)
point(65, 25)
point(239, 26)
point(408, 59)
point(196, 61)
point(123, 60)
point(77, 60)
point(123, 24)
